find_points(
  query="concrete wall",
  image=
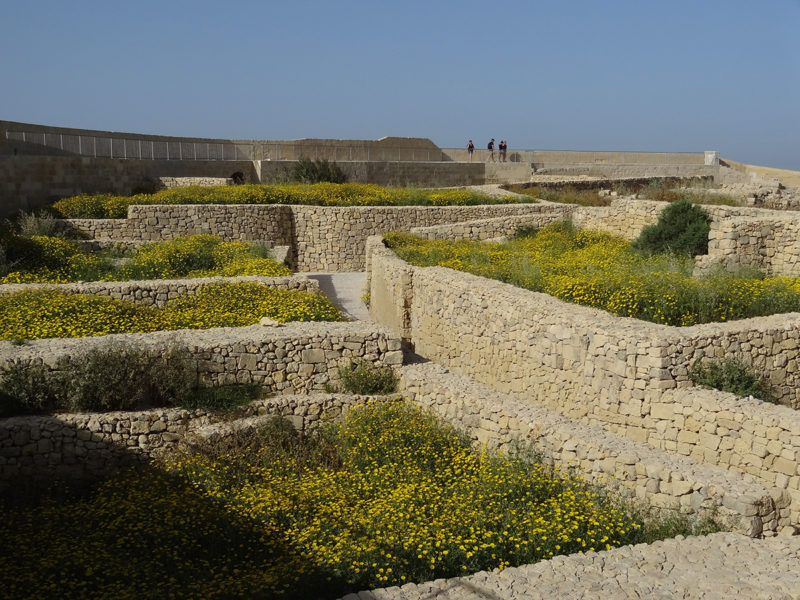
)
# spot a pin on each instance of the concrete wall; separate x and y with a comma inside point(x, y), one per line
point(628, 376)
point(389, 173)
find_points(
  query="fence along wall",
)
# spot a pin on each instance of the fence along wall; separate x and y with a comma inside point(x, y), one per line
point(626, 375)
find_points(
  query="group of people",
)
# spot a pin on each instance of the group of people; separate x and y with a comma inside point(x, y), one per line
point(502, 148)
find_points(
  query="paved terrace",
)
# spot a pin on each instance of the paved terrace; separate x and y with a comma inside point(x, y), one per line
point(719, 567)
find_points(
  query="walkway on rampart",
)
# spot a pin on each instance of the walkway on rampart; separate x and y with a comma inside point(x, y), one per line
point(716, 567)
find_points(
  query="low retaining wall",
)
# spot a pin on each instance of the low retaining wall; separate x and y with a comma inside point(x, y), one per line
point(157, 292)
point(321, 238)
point(770, 244)
point(765, 239)
point(292, 358)
point(587, 363)
point(79, 446)
point(658, 480)
point(483, 229)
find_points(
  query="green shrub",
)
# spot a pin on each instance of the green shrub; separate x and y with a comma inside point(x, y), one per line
point(114, 377)
point(682, 228)
point(56, 260)
point(26, 389)
point(220, 398)
point(363, 377)
point(120, 377)
point(30, 225)
point(48, 258)
point(318, 171)
point(731, 376)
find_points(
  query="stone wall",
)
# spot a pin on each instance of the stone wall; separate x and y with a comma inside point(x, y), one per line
point(587, 363)
point(158, 292)
point(88, 445)
point(766, 239)
point(484, 229)
point(768, 243)
point(321, 238)
point(179, 182)
point(291, 358)
point(647, 476)
point(27, 182)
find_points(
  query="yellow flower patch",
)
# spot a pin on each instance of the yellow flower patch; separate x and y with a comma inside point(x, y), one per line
point(52, 314)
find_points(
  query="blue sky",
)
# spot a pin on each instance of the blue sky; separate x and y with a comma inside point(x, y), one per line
point(573, 75)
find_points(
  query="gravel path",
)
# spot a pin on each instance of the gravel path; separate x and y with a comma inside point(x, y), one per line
point(719, 566)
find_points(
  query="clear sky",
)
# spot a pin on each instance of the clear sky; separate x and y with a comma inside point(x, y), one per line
point(643, 75)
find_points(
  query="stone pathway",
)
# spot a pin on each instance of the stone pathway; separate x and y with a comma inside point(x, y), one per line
point(716, 567)
point(345, 290)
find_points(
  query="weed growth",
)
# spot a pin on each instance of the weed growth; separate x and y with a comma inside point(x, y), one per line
point(365, 378)
point(318, 171)
point(734, 376)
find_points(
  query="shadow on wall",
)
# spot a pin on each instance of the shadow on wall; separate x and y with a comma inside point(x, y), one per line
point(145, 530)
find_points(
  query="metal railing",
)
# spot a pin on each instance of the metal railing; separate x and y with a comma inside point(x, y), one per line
point(99, 146)
point(142, 149)
point(159, 148)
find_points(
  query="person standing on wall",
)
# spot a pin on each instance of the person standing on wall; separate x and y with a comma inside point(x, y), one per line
point(470, 149)
point(490, 148)
point(502, 148)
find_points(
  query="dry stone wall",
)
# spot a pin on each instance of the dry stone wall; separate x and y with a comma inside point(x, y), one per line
point(483, 229)
point(586, 363)
point(158, 292)
point(770, 244)
point(659, 480)
point(179, 182)
point(293, 358)
point(77, 446)
point(321, 238)
point(766, 239)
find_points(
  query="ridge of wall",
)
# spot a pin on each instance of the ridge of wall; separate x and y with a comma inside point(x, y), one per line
point(157, 292)
point(291, 358)
point(642, 474)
